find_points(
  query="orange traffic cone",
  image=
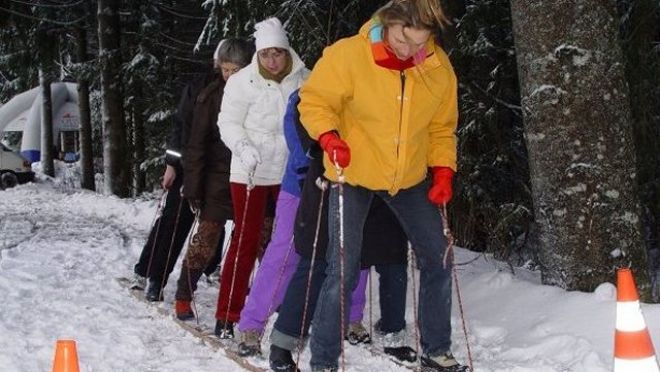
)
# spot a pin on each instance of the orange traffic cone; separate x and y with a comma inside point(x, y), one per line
point(633, 349)
point(66, 357)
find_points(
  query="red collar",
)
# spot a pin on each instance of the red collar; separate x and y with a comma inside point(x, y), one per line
point(384, 57)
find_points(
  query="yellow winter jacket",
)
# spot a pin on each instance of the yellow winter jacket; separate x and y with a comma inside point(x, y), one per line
point(397, 124)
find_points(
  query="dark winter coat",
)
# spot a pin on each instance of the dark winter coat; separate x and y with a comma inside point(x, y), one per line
point(182, 120)
point(206, 158)
point(384, 241)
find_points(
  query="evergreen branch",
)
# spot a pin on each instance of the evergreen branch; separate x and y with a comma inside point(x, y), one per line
point(172, 11)
point(176, 40)
point(46, 20)
point(59, 6)
point(304, 21)
point(517, 110)
point(207, 27)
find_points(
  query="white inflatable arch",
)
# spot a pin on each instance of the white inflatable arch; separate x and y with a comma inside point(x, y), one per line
point(23, 114)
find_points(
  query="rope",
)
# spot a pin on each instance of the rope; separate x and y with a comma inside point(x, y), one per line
point(450, 246)
point(342, 259)
point(323, 185)
point(411, 263)
point(190, 290)
point(157, 216)
point(248, 188)
point(225, 247)
point(371, 319)
point(169, 251)
point(277, 286)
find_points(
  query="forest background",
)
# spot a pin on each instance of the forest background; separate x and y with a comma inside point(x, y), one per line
point(530, 75)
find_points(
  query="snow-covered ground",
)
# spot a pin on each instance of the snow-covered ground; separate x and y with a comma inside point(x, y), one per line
point(61, 250)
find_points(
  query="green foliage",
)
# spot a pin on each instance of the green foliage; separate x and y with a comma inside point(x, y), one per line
point(17, 69)
point(311, 24)
point(640, 35)
point(166, 44)
point(492, 208)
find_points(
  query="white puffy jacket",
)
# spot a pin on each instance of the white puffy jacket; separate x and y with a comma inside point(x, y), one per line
point(253, 109)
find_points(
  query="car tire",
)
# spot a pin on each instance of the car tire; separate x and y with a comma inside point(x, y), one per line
point(8, 180)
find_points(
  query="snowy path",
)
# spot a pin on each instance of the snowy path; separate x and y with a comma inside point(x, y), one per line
point(60, 253)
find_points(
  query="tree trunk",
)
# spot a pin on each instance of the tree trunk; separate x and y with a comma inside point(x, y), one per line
point(128, 123)
point(47, 165)
point(47, 47)
point(86, 155)
point(115, 165)
point(579, 137)
point(139, 180)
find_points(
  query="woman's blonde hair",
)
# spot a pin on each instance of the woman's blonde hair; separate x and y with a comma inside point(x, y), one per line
point(421, 14)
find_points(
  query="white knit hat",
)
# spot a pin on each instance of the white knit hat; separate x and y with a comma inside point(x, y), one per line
point(269, 33)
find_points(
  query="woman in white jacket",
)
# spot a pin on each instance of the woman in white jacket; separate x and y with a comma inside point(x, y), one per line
point(251, 125)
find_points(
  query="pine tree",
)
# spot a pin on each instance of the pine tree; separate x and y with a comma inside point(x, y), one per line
point(492, 208)
point(115, 165)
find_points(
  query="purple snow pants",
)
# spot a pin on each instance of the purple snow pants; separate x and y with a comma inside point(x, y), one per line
point(277, 266)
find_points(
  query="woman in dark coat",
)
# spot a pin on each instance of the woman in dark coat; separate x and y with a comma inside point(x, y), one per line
point(206, 165)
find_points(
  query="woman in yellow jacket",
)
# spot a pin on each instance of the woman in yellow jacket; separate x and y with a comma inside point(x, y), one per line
point(383, 106)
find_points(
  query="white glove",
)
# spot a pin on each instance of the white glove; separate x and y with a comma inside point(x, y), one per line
point(249, 156)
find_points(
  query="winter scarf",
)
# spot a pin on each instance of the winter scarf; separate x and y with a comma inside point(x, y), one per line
point(383, 56)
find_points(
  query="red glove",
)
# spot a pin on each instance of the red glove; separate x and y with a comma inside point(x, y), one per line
point(440, 192)
point(335, 146)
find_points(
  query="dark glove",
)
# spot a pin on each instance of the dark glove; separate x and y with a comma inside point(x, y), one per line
point(441, 192)
point(336, 148)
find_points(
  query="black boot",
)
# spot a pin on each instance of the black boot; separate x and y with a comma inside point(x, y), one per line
point(250, 343)
point(402, 353)
point(357, 334)
point(154, 291)
point(442, 363)
point(224, 330)
point(281, 360)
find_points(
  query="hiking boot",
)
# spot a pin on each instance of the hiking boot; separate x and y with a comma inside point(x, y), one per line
point(155, 291)
point(183, 310)
point(324, 369)
point(224, 330)
point(138, 282)
point(357, 334)
point(442, 363)
point(281, 360)
point(250, 344)
point(402, 353)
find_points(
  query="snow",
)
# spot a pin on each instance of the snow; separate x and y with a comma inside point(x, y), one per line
point(580, 187)
point(159, 116)
point(612, 194)
point(61, 250)
point(580, 56)
point(551, 91)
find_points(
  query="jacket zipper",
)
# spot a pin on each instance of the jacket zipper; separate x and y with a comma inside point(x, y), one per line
point(402, 76)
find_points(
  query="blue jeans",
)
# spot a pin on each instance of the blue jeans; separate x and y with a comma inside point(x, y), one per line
point(422, 223)
point(393, 283)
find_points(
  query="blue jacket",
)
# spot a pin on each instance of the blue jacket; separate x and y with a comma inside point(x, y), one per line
point(298, 162)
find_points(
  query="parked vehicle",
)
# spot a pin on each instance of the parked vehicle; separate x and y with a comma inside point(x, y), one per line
point(14, 169)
